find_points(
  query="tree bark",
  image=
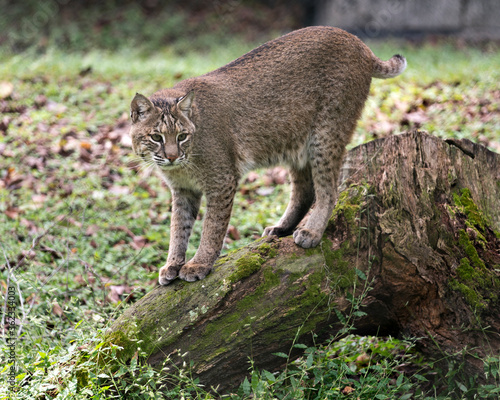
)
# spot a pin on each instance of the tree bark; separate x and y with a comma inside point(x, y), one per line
point(417, 215)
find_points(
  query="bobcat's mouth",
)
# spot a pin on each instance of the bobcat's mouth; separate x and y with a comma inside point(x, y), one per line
point(166, 162)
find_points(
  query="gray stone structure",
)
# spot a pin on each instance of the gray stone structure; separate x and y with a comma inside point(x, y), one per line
point(473, 19)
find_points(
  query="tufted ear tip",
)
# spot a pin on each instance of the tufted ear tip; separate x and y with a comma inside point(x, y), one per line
point(185, 102)
point(140, 108)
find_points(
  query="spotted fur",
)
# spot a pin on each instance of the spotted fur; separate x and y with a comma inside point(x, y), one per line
point(293, 101)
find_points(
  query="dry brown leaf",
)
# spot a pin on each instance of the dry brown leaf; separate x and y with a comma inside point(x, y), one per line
point(85, 145)
point(6, 89)
point(31, 299)
point(91, 230)
point(138, 242)
point(265, 191)
point(79, 279)
point(233, 232)
point(4, 125)
point(12, 213)
point(347, 390)
point(117, 291)
point(39, 198)
point(119, 190)
point(57, 310)
point(278, 175)
point(252, 177)
point(362, 359)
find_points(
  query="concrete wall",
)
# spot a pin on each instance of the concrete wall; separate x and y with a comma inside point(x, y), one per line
point(475, 19)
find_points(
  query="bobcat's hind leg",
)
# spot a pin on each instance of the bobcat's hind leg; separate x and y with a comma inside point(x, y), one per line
point(326, 156)
point(301, 200)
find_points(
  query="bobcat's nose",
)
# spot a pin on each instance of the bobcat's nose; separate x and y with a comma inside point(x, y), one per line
point(171, 157)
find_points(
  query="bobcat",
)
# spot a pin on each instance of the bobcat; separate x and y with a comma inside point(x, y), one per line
point(294, 100)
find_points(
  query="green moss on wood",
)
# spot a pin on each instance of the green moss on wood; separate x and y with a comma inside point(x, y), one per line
point(251, 262)
point(478, 284)
point(469, 280)
point(468, 247)
point(473, 298)
point(349, 204)
point(246, 266)
point(267, 250)
point(339, 269)
point(250, 308)
point(466, 205)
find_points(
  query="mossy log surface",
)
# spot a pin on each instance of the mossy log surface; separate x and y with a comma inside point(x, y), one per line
point(418, 215)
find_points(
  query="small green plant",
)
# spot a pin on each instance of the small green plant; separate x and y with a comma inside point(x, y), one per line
point(353, 367)
point(92, 369)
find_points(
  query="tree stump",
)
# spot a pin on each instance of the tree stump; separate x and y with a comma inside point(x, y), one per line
point(417, 216)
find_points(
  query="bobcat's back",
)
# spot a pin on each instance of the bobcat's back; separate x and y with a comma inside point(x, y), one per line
point(271, 98)
point(294, 100)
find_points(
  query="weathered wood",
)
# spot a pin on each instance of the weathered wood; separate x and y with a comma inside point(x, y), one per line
point(416, 214)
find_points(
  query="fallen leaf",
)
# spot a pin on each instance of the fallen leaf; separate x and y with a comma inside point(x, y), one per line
point(233, 232)
point(12, 213)
point(57, 310)
point(117, 291)
point(252, 177)
point(278, 175)
point(85, 155)
point(265, 191)
point(91, 230)
point(126, 141)
point(416, 118)
point(39, 198)
point(54, 253)
point(138, 242)
point(119, 190)
point(348, 390)
point(56, 108)
point(85, 145)
point(6, 89)
point(79, 279)
point(40, 100)
point(4, 123)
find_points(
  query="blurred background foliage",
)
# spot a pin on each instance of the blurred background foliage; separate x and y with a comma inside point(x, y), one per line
point(79, 25)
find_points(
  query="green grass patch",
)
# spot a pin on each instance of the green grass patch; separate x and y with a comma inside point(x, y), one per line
point(84, 232)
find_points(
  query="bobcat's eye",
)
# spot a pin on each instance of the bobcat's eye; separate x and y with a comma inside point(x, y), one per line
point(181, 137)
point(157, 138)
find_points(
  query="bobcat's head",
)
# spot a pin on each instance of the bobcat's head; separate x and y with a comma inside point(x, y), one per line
point(162, 130)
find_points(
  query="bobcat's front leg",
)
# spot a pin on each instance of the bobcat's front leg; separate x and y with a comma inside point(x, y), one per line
point(185, 207)
point(219, 206)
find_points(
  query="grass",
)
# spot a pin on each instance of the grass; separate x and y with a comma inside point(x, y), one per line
point(84, 232)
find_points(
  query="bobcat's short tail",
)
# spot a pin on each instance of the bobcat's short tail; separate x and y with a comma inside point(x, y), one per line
point(389, 68)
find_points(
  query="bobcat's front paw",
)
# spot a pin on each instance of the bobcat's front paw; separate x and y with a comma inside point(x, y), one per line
point(276, 231)
point(168, 273)
point(191, 272)
point(306, 238)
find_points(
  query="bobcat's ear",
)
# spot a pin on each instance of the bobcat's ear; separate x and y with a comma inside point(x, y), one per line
point(140, 108)
point(185, 102)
